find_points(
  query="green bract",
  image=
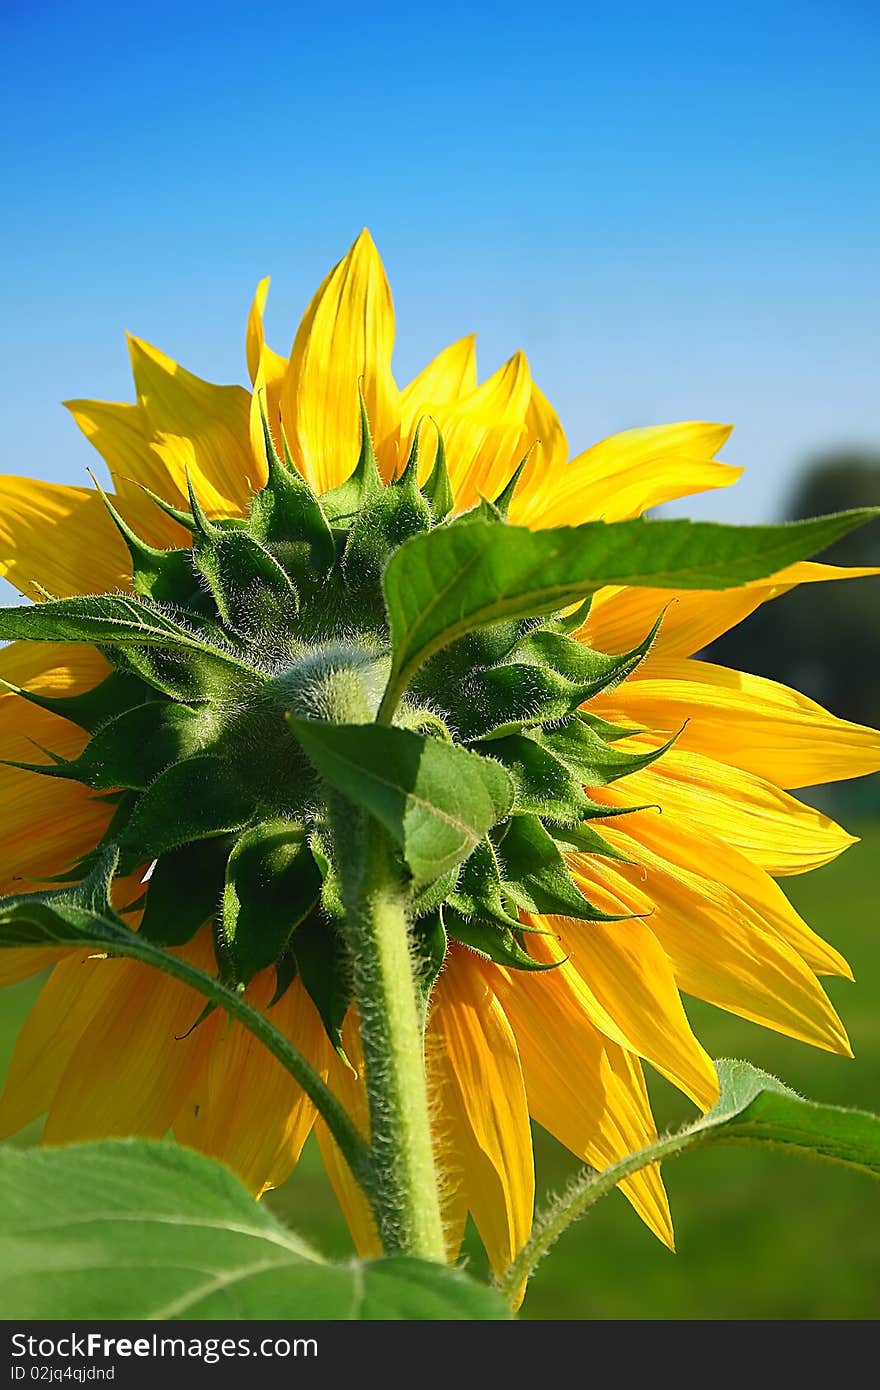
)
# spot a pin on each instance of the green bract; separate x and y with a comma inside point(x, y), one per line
point(361, 648)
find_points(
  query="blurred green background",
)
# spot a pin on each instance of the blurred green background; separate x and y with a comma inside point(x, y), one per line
point(759, 1235)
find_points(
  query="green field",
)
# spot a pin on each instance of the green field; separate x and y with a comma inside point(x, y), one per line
point(759, 1236)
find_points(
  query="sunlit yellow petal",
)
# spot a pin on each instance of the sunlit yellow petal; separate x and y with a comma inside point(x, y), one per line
point(136, 457)
point(346, 337)
point(754, 723)
point(720, 947)
point(574, 1089)
point(197, 426)
point(481, 1092)
point(628, 473)
point(770, 827)
point(620, 618)
point(625, 969)
point(449, 376)
point(483, 433)
point(60, 538)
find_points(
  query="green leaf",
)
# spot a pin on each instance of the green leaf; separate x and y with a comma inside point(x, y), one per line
point(108, 1231)
point(188, 801)
point(455, 578)
point(536, 876)
point(436, 800)
point(430, 944)
point(184, 891)
point(108, 620)
point(272, 883)
point(753, 1108)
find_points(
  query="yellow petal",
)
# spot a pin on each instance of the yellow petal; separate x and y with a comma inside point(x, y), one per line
point(619, 618)
point(720, 947)
point(124, 437)
point(245, 1109)
point(581, 1088)
point(625, 969)
point(695, 847)
point(627, 474)
point(74, 992)
point(548, 460)
point(197, 426)
point(46, 822)
point(480, 1092)
point(346, 336)
point(772, 829)
point(350, 1091)
point(754, 723)
point(274, 365)
point(136, 1062)
point(450, 375)
point(59, 537)
point(20, 962)
point(483, 433)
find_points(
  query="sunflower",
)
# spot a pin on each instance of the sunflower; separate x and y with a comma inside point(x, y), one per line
point(680, 773)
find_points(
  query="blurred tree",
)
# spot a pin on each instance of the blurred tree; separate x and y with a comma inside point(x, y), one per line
point(824, 639)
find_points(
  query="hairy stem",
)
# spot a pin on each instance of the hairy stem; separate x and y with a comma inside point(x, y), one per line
point(404, 1189)
point(585, 1191)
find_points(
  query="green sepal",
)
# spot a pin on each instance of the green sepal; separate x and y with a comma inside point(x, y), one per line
point(288, 518)
point(536, 876)
point(164, 575)
point(568, 623)
point(502, 502)
point(251, 590)
point(184, 891)
point(491, 940)
point(544, 784)
point(612, 733)
point(285, 974)
point(343, 504)
point(323, 966)
point(409, 477)
point(585, 839)
point(386, 520)
point(437, 487)
point(430, 944)
point(593, 760)
point(478, 891)
point(178, 514)
point(432, 895)
point(272, 883)
point(130, 750)
point(89, 709)
point(192, 800)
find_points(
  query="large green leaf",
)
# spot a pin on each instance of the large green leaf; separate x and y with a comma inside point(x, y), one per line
point(436, 800)
point(106, 620)
point(110, 1231)
point(455, 578)
point(753, 1108)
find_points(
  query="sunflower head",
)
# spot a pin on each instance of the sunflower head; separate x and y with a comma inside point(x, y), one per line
point(279, 617)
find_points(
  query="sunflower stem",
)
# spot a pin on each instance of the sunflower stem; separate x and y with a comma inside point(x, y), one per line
point(404, 1187)
point(585, 1191)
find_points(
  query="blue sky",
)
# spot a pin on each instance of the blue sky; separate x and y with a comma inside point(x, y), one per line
point(673, 208)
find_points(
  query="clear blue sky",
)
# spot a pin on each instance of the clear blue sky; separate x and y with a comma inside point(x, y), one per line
point(673, 208)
